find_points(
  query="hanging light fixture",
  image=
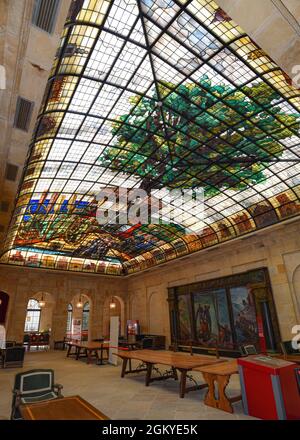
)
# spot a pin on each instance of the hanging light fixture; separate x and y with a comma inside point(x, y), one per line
point(79, 305)
point(112, 304)
point(42, 302)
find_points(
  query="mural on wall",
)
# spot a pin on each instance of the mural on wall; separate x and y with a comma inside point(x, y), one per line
point(212, 321)
point(224, 312)
point(225, 332)
point(184, 313)
point(244, 315)
point(205, 319)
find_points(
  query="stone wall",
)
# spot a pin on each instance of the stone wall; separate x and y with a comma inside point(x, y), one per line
point(278, 249)
point(144, 296)
point(272, 24)
point(27, 53)
point(59, 290)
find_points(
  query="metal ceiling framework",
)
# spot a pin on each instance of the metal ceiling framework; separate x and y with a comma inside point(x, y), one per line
point(154, 94)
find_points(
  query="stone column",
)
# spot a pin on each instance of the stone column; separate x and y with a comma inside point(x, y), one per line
point(96, 317)
point(18, 311)
point(59, 319)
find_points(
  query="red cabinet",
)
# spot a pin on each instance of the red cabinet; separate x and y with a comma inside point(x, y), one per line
point(269, 388)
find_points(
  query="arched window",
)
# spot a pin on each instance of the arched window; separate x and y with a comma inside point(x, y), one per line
point(33, 316)
point(69, 318)
point(85, 316)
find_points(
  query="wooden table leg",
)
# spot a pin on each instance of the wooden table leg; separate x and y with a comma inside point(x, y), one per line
point(89, 354)
point(124, 365)
point(148, 374)
point(101, 356)
point(77, 352)
point(69, 350)
point(175, 373)
point(182, 383)
point(210, 398)
point(224, 402)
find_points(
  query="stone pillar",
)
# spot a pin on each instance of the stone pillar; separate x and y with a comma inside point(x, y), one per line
point(59, 319)
point(15, 330)
point(96, 317)
point(138, 307)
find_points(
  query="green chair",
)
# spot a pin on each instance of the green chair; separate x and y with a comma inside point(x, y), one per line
point(247, 350)
point(31, 387)
point(13, 357)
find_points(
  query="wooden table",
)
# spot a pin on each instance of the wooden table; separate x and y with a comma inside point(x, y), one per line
point(177, 361)
point(129, 346)
point(65, 408)
point(220, 374)
point(89, 348)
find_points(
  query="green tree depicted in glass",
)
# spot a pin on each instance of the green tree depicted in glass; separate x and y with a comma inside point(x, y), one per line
point(210, 136)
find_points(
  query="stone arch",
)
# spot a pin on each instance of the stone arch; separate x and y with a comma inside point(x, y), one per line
point(156, 314)
point(122, 315)
point(46, 318)
point(83, 297)
point(137, 309)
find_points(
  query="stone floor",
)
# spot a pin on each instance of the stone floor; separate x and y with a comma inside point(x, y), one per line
point(118, 398)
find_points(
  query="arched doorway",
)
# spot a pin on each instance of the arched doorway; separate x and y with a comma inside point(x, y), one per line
point(33, 316)
point(38, 320)
point(46, 303)
point(80, 324)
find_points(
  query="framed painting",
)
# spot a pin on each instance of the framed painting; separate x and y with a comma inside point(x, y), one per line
point(185, 318)
point(206, 322)
point(244, 316)
point(226, 312)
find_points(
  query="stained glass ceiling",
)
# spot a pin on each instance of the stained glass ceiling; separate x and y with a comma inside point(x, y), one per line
point(154, 94)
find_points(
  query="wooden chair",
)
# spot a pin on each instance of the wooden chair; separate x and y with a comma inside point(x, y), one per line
point(33, 386)
point(62, 344)
point(13, 357)
point(247, 350)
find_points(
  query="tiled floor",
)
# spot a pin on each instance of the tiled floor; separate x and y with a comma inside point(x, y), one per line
point(118, 398)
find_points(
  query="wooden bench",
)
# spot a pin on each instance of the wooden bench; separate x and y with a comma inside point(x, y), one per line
point(220, 374)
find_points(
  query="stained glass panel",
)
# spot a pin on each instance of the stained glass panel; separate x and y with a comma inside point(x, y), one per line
point(158, 95)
